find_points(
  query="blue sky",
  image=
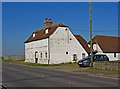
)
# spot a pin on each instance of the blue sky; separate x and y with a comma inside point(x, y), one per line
point(19, 20)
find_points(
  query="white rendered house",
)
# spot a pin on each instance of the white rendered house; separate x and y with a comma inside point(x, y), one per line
point(108, 45)
point(54, 44)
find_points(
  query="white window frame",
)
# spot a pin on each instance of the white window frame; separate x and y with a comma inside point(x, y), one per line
point(33, 34)
point(46, 31)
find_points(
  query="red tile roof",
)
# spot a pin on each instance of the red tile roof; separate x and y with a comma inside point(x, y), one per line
point(40, 34)
point(108, 44)
point(83, 42)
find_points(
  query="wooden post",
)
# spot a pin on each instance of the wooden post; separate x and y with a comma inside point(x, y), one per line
point(91, 48)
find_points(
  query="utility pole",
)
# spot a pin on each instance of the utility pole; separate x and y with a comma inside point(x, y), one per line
point(91, 48)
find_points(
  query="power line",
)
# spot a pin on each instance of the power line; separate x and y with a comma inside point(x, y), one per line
point(94, 31)
point(73, 29)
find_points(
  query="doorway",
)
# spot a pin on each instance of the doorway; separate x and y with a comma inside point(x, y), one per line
point(74, 57)
point(36, 57)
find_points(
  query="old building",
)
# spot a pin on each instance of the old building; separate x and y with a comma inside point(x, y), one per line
point(108, 45)
point(54, 44)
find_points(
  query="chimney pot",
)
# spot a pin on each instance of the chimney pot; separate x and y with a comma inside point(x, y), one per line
point(47, 22)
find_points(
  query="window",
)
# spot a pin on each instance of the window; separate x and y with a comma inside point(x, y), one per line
point(66, 29)
point(36, 54)
point(33, 34)
point(105, 57)
point(96, 58)
point(101, 58)
point(114, 54)
point(36, 57)
point(45, 54)
point(83, 55)
point(66, 52)
point(74, 57)
point(40, 55)
point(46, 31)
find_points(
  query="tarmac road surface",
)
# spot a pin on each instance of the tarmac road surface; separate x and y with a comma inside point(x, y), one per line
point(14, 75)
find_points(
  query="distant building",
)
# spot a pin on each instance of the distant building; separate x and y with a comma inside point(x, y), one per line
point(54, 44)
point(13, 57)
point(108, 45)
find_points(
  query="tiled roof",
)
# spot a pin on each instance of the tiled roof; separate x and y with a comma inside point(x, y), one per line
point(108, 44)
point(83, 42)
point(40, 34)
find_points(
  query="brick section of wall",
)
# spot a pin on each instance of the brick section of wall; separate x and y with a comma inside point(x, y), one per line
point(112, 65)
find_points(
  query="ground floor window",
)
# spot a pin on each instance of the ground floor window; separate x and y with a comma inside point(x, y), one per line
point(83, 55)
point(45, 54)
point(114, 54)
point(40, 55)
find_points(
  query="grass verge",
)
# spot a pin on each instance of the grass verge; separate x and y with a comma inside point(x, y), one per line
point(67, 66)
point(103, 70)
point(34, 64)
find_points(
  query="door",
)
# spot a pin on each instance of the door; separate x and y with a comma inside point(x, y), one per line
point(36, 57)
point(74, 57)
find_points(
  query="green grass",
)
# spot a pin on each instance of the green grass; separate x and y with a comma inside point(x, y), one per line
point(67, 66)
point(34, 64)
point(103, 70)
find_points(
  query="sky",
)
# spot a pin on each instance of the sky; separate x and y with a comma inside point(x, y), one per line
point(20, 19)
point(59, 0)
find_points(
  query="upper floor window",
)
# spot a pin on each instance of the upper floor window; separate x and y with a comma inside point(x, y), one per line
point(66, 29)
point(33, 34)
point(66, 52)
point(46, 31)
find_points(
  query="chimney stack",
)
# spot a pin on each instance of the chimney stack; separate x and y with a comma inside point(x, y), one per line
point(47, 22)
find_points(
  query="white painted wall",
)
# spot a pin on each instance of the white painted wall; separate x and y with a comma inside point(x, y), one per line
point(112, 58)
point(41, 46)
point(97, 47)
point(60, 43)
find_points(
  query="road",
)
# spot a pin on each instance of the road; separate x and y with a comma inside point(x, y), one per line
point(14, 75)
